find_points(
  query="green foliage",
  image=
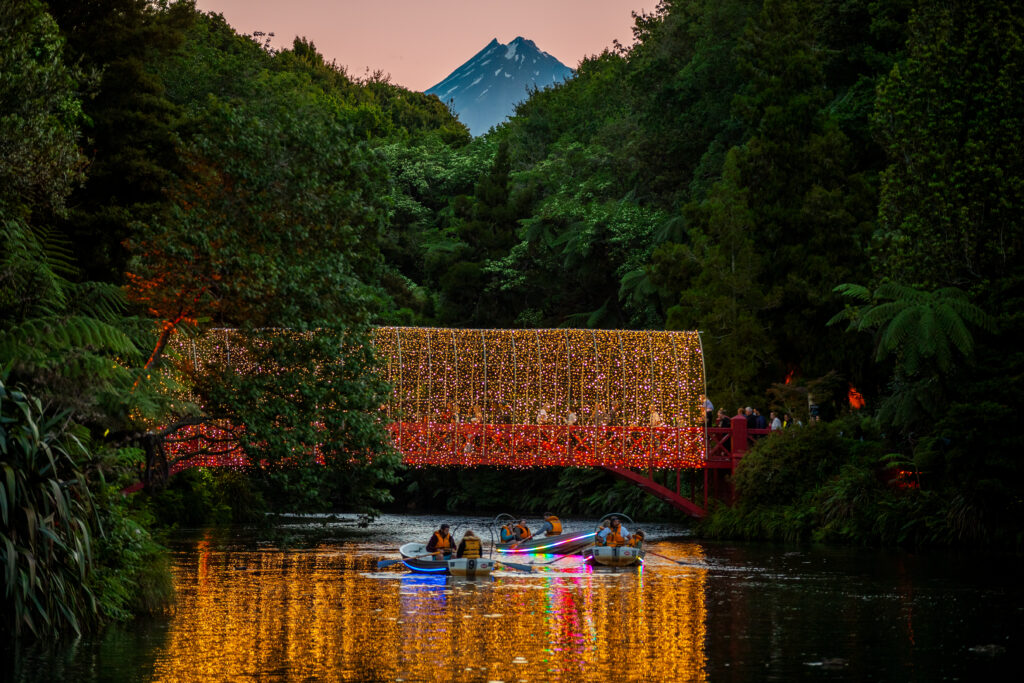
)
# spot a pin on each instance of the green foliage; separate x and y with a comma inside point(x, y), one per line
point(205, 496)
point(39, 157)
point(835, 482)
point(275, 233)
point(779, 469)
point(948, 117)
point(918, 327)
point(569, 491)
point(132, 575)
point(130, 125)
point(46, 545)
point(926, 332)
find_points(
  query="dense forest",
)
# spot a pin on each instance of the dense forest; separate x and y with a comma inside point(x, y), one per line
point(831, 191)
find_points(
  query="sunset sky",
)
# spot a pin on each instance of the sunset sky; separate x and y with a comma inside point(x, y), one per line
point(419, 42)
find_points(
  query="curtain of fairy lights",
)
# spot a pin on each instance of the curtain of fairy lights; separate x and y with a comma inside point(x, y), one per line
point(524, 398)
point(536, 398)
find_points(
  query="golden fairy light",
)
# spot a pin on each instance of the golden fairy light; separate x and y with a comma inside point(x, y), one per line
point(531, 398)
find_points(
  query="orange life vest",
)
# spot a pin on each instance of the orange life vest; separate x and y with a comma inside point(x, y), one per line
point(522, 531)
point(614, 538)
point(471, 547)
point(507, 535)
point(442, 541)
point(556, 526)
point(635, 541)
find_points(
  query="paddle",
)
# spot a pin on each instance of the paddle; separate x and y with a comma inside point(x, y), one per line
point(557, 559)
point(388, 563)
point(518, 567)
point(666, 557)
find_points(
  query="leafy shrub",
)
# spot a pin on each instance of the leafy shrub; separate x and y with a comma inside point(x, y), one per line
point(48, 520)
point(73, 552)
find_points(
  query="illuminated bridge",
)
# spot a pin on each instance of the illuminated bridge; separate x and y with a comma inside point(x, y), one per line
point(630, 402)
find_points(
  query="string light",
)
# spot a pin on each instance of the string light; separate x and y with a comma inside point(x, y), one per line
point(520, 398)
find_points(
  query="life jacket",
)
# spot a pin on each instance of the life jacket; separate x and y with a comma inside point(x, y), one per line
point(556, 526)
point(614, 538)
point(471, 547)
point(635, 542)
point(522, 531)
point(507, 535)
point(442, 541)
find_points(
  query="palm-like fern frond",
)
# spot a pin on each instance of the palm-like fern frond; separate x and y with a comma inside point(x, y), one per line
point(916, 326)
point(37, 338)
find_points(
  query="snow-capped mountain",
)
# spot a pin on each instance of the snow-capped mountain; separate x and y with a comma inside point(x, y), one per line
point(485, 90)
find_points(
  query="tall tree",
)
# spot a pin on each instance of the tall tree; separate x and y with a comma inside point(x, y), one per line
point(952, 199)
point(274, 235)
point(131, 138)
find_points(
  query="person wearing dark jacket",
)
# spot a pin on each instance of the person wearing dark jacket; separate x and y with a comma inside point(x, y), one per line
point(441, 543)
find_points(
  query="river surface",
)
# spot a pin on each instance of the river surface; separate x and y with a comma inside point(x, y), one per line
point(312, 605)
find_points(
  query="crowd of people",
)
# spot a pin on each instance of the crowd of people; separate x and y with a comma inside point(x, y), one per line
point(599, 415)
point(753, 417)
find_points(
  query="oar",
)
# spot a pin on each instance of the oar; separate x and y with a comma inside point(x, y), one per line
point(388, 563)
point(557, 559)
point(518, 567)
point(666, 557)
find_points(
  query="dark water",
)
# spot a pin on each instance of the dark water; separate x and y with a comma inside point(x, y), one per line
point(317, 608)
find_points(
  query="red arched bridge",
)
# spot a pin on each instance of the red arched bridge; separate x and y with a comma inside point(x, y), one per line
point(629, 402)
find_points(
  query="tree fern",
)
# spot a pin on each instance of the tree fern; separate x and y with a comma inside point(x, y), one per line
point(917, 327)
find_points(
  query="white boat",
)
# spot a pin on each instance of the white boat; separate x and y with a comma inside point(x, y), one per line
point(412, 557)
point(618, 556)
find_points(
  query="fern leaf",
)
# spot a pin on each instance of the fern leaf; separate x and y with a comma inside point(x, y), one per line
point(853, 291)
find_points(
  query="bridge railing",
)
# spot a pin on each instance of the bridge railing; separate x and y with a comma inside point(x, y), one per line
point(727, 445)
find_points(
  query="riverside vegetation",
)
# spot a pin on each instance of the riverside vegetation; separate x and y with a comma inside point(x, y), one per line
point(831, 191)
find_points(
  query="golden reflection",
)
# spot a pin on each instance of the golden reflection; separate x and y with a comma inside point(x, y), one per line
point(325, 615)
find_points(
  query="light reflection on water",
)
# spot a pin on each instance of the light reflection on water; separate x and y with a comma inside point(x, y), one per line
point(326, 615)
point(249, 609)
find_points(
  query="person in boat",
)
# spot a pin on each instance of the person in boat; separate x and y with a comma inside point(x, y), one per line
point(441, 543)
point(470, 546)
point(521, 532)
point(507, 533)
point(636, 540)
point(552, 525)
point(614, 535)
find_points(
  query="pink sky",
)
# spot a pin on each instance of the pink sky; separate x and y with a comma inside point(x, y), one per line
point(419, 42)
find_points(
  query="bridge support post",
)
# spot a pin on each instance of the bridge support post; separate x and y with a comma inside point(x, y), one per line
point(737, 442)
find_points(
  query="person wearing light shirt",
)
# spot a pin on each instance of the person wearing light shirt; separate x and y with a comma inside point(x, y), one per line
point(615, 531)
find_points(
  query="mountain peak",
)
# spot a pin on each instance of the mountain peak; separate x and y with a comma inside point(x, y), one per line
point(485, 89)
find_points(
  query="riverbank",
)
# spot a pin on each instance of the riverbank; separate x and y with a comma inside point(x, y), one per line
point(839, 483)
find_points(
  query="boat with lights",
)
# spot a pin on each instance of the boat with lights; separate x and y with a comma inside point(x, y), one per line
point(412, 557)
point(608, 556)
point(566, 543)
